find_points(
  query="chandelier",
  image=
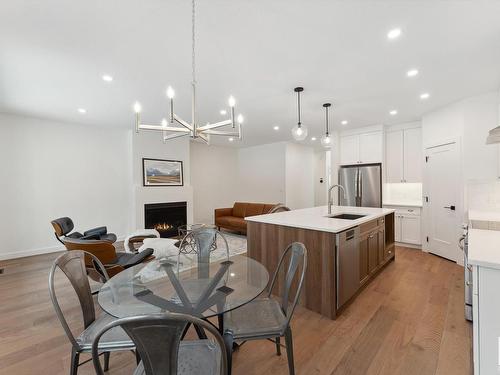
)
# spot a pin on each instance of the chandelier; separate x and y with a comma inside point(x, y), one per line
point(299, 131)
point(191, 129)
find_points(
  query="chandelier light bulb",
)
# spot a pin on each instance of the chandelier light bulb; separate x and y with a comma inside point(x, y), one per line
point(299, 133)
point(170, 92)
point(326, 141)
point(137, 107)
point(232, 101)
point(240, 119)
point(164, 122)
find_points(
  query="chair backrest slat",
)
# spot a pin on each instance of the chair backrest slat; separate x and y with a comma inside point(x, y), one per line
point(157, 339)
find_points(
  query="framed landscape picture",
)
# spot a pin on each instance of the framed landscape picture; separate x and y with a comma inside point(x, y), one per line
point(158, 172)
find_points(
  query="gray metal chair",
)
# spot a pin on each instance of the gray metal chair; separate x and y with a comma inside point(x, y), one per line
point(158, 342)
point(72, 264)
point(267, 318)
point(278, 208)
point(201, 242)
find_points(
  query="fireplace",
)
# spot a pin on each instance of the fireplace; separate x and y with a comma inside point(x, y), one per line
point(165, 217)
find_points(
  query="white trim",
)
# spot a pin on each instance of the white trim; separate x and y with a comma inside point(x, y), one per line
point(410, 245)
point(28, 253)
point(39, 251)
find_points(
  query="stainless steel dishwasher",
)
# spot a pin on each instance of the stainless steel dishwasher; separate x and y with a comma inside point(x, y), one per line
point(347, 257)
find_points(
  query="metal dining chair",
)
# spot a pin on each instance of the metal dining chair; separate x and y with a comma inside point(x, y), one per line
point(72, 264)
point(158, 342)
point(267, 318)
point(278, 208)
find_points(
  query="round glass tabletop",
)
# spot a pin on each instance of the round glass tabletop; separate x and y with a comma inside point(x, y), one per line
point(203, 290)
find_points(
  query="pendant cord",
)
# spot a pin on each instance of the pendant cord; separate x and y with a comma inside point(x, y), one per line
point(193, 43)
point(327, 125)
point(298, 108)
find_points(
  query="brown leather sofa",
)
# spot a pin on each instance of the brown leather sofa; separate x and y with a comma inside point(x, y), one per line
point(233, 218)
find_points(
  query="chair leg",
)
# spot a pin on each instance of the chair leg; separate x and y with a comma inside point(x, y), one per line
point(289, 350)
point(278, 346)
point(228, 340)
point(75, 360)
point(106, 360)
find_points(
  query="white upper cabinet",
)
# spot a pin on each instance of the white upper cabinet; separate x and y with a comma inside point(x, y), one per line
point(403, 155)
point(349, 149)
point(361, 148)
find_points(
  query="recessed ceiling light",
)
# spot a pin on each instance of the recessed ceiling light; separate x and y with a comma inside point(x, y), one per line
point(223, 112)
point(313, 138)
point(82, 110)
point(276, 127)
point(394, 34)
point(230, 139)
point(412, 73)
point(107, 78)
point(393, 112)
point(344, 122)
point(424, 96)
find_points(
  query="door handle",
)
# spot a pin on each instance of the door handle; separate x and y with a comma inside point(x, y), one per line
point(450, 207)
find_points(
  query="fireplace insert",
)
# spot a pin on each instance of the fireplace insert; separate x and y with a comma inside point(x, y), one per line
point(165, 217)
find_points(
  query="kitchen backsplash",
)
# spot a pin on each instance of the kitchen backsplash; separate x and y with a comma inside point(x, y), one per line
point(402, 193)
point(482, 195)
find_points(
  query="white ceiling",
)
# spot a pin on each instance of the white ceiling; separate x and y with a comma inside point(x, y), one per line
point(54, 52)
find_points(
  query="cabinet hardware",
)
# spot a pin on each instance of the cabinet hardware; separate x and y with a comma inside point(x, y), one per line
point(410, 210)
point(467, 283)
point(390, 252)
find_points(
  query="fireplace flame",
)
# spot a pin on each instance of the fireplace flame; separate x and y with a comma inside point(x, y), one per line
point(163, 226)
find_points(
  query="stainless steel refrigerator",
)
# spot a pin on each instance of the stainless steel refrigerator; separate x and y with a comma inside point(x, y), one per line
point(363, 185)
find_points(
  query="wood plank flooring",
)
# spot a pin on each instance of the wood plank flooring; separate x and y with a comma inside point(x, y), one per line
point(409, 320)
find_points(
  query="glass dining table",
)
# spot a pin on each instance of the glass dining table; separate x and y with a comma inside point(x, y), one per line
point(200, 289)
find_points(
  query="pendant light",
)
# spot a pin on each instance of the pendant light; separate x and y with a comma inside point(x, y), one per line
point(299, 132)
point(326, 141)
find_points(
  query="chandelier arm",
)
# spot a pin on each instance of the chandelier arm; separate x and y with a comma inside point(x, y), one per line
point(204, 137)
point(173, 136)
point(183, 123)
point(163, 128)
point(221, 133)
point(214, 126)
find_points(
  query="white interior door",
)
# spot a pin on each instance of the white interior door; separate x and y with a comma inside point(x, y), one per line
point(444, 206)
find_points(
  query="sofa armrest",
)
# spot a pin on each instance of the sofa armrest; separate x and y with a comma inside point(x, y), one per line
point(219, 212)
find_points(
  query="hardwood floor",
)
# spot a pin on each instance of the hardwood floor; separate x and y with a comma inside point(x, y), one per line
point(409, 320)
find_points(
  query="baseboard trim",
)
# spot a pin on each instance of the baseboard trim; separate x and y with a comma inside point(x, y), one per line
point(410, 245)
point(40, 251)
point(32, 252)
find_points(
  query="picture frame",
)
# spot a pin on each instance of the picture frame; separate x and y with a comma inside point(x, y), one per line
point(162, 172)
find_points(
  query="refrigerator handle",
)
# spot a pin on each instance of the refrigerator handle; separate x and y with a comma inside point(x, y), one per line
point(357, 198)
point(360, 188)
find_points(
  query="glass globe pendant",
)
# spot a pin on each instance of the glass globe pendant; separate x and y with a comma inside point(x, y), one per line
point(299, 131)
point(326, 140)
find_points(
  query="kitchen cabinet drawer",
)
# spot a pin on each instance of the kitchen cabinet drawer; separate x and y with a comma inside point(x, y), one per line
point(408, 211)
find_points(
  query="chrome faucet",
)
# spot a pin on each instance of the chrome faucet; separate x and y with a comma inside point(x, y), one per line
point(330, 196)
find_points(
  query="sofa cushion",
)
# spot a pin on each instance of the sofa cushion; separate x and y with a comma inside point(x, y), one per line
point(254, 209)
point(239, 209)
point(231, 222)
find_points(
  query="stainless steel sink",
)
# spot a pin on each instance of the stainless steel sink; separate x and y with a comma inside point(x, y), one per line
point(346, 216)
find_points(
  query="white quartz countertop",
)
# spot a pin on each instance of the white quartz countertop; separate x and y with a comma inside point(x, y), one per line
point(315, 218)
point(484, 248)
point(484, 215)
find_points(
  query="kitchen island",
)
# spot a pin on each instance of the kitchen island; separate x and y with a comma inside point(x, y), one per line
point(346, 250)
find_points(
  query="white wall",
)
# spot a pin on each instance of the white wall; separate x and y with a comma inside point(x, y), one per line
point(51, 169)
point(149, 144)
point(299, 176)
point(261, 173)
point(320, 188)
point(214, 177)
